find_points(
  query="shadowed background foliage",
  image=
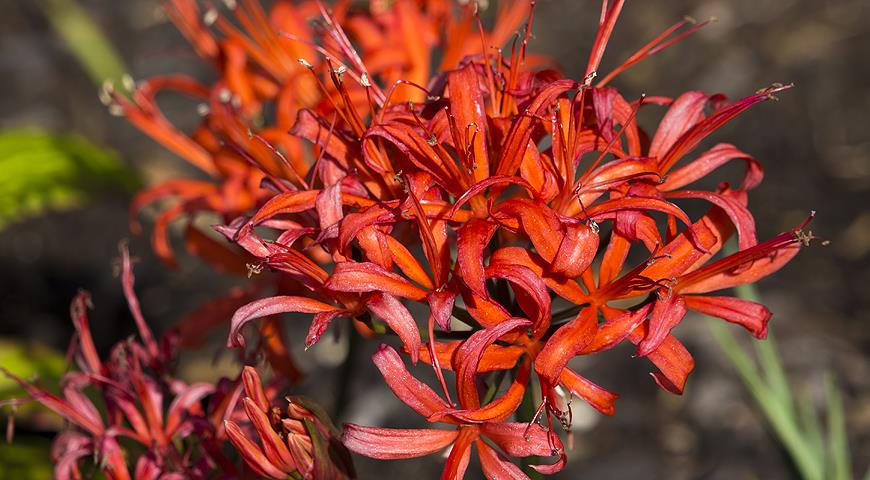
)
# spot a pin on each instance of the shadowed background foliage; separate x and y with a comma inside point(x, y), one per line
point(814, 144)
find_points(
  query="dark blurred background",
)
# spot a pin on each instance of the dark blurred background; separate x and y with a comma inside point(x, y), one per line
point(814, 144)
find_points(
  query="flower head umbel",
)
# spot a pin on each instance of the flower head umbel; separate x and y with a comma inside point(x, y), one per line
point(300, 440)
point(510, 201)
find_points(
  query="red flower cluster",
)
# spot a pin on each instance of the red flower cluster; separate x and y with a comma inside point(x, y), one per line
point(130, 411)
point(486, 190)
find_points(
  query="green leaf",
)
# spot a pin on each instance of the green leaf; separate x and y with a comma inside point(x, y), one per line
point(839, 467)
point(28, 360)
point(41, 171)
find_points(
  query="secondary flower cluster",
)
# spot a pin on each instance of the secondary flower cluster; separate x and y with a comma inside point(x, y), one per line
point(129, 410)
point(530, 213)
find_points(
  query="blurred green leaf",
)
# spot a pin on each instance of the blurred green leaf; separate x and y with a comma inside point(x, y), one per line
point(28, 360)
point(41, 171)
point(26, 459)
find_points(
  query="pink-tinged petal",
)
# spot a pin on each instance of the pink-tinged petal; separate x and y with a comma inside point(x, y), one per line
point(469, 355)
point(460, 454)
point(254, 388)
point(601, 210)
point(576, 252)
point(328, 206)
point(393, 444)
point(59, 406)
point(520, 439)
point(565, 343)
point(711, 160)
point(467, 106)
point(674, 362)
point(615, 330)
point(689, 140)
point(319, 325)
point(740, 216)
point(406, 262)
point(389, 309)
point(529, 289)
point(283, 203)
point(441, 307)
point(599, 398)
point(499, 409)
point(495, 357)
point(750, 315)
point(520, 133)
point(745, 266)
point(353, 223)
point(408, 389)
point(182, 403)
point(482, 185)
point(564, 287)
point(495, 465)
point(686, 111)
point(250, 451)
point(539, 221)
point(271, 306)
point(471, 241)
point(666, 314)
point(273, 446)
point(78, 310)
point(127, 283)
point(364, 277)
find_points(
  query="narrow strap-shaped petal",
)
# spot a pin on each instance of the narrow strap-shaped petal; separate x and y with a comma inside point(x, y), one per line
point(740, 216)
point(389, 309)
point(520, 439)
point(666, 314)
point(393, 444)
point(471, 241)
point(599, 398)
point(251, 452)
point(711, 160)
point(414, 393)
point(460, 454)
point(500, 408)
point(577, 250)
point(529, 289)
point(273, 445)
point(271, 306)
point(495, 465)
point(364, 277)
point(565, 343)
point(469, 355)
point(749, 315)
point(686, 111)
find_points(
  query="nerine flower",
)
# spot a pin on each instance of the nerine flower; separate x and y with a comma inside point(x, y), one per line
point(508, 200)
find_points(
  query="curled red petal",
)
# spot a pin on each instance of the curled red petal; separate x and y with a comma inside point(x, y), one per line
point(686, 111)
point(364, 277)
point(251, 452)
point(471, 241)
point(391, 311)
point(408, 389)
point(271, 306)
point(471, 352)
point(666, 314)
point(577, 250)
point(599, 398)
point(565, 343)
point(749, 315)
point(497, 466)
point(711, 160)
point(393, 443)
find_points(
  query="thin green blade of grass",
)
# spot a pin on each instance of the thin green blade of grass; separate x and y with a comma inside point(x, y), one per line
point(84, 39)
